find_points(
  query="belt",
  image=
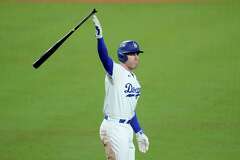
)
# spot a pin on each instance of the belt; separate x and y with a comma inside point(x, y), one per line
point(119, 120)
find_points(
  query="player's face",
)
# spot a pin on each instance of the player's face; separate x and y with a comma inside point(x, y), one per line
point(132, 61)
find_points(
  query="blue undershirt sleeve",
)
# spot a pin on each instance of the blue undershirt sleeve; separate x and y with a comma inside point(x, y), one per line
point(103, 55)
point(135, 124)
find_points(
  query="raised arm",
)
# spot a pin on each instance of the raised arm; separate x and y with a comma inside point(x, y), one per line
point(102, 49)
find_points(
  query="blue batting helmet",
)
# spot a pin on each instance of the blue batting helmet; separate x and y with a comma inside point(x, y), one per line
point(126, 48)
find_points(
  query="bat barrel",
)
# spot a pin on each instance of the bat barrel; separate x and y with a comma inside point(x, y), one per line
point(51, 50)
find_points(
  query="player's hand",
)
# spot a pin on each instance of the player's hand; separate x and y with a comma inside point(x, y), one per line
point(97, 26)
point(143, 143)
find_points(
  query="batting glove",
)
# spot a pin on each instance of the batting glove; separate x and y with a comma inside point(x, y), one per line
point(97, 26)
point(143, 143)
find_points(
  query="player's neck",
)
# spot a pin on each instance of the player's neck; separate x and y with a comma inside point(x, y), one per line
point(126, 67)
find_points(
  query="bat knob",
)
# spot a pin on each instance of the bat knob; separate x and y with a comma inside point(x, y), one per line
point(94, 11)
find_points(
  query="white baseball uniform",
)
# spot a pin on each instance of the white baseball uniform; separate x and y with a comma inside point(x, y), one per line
point(122, 91)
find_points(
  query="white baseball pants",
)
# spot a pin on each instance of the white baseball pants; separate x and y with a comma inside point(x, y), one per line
point(117, 139)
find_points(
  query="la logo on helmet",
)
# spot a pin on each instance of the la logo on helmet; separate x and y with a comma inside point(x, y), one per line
point(135, 45)
point(123, 45)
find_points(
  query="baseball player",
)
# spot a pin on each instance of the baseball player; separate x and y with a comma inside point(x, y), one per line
point(122, 91)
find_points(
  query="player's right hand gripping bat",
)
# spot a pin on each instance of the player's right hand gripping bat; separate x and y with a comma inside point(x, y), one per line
point(51, 50)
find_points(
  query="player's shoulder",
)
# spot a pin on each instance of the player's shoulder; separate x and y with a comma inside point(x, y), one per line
point(118, 70)
point(116, 65)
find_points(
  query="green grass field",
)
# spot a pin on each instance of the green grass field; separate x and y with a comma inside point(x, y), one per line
point(190, 74)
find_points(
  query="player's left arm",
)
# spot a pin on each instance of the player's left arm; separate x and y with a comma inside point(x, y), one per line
point(135, 124)
point(143, 142)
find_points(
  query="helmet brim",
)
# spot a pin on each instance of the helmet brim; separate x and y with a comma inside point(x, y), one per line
point(130, 53)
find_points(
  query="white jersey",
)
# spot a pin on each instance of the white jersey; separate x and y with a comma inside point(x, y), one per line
point(122, 91)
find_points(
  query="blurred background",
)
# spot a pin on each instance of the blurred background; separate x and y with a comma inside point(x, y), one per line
point(189, 73)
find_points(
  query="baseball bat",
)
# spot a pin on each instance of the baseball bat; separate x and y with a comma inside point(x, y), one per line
point(51, 50)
